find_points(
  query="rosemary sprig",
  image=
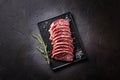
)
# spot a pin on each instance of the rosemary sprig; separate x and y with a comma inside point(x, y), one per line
point(43, 48)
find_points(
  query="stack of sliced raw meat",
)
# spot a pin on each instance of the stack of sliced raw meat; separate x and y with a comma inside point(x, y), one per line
point(60, 36)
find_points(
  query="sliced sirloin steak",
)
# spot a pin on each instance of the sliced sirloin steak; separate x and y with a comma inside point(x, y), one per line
point(62, 41)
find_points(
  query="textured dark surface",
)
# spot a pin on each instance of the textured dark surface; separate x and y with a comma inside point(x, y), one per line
point(99, 28)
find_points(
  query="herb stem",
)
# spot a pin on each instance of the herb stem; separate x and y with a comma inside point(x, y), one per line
point(43, 50)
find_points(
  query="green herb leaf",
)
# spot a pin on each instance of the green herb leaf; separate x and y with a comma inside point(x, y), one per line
point(39, 49)
point(42, 50)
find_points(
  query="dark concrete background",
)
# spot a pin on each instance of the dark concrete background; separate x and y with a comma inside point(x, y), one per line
point(99, 28)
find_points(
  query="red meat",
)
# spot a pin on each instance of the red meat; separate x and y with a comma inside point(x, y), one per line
point(58, 31)
point(60, 36)
point(69, 40)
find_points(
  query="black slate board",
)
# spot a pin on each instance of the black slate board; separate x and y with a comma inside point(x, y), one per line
point(79, 50)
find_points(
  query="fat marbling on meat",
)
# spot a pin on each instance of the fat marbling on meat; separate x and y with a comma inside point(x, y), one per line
point(61, 40)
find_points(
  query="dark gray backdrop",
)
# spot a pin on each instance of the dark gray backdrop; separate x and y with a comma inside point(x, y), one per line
point(99, 28)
